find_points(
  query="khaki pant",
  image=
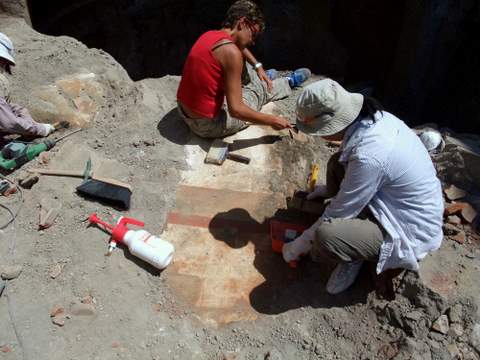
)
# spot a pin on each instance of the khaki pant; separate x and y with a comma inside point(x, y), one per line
point(254, 94)
point(346, 240)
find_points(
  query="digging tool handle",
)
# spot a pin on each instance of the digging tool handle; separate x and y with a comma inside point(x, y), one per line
point(80, 174)
point(239, 158)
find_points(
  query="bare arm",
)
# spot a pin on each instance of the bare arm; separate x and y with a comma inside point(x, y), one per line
point(231, 59)
point(247, 54)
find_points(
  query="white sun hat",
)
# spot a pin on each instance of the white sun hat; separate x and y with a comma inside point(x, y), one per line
point(6, 48)
point(331, 106)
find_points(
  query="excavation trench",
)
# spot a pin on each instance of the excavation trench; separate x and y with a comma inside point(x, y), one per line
point(420, 59)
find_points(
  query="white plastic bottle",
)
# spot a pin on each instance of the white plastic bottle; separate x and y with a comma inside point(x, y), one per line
point(150, 248)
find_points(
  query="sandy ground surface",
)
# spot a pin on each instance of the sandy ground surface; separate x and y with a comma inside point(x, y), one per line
point(226, 295)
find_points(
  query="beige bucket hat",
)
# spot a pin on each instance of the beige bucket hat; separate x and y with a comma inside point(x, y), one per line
point(332, 107)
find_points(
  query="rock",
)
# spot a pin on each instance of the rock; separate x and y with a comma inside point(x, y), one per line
point(229, 355)
point(438, 351)
point(387, 351)
point(75, 98)
point(455, 208)
point(455, 313)
point(55, 271)
point(10, 272)
point(273, 354)
point(441, 325)
point(59, 320)
point(454, 220)
point(469, 213)
point(29, 181)
point(56, 310)
point(83, 310)
point(454, 193)
point(475, 337)
point(454, 352)
point(5, 349)
point(49, 210)
point(460, 237)
point(44, 158)
point(88, 300)
point(414, 315)
point(456, 330)
point(450, 230)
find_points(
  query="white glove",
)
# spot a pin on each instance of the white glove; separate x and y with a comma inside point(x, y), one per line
point(318, 191)
point(291, 251)
point(49, 128)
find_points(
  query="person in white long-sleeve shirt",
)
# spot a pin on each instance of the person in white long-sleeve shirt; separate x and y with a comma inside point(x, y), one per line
point(387, 203)
point(15, 119)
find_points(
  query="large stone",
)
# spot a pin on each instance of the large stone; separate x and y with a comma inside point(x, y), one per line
point(475, 338)
point(57, 310)
point(456, 330)
point(83, 309)
point(469, 151)
point(460, 237)
point(455, 313)
point(455, 208)
point(10, 272)
point(441, 325)
point(454, 352)
point(454, 220)
point(59, 320)
point(454, 193)
point(75, 98)
point(450, 230)
point(469, 213)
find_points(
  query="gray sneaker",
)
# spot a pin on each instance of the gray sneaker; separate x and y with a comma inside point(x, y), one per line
point(343, 276)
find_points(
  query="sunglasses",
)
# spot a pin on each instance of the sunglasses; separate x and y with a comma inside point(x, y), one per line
point(252, 26)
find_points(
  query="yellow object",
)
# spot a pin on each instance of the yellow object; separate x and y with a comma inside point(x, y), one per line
point(312, 177)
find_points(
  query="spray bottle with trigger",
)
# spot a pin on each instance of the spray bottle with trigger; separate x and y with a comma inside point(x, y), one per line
point(150, 248)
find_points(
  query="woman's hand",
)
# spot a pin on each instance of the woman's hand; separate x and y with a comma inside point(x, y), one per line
point(263, 76)
point(280, 123)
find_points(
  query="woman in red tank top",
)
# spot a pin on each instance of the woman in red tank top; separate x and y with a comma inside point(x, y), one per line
point(201, 89)
point(212, 72)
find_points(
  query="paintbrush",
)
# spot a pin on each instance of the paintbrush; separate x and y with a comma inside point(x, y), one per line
point(219, 152)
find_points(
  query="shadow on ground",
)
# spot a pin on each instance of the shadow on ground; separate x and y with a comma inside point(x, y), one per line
point(173, 128)
point(284, 288)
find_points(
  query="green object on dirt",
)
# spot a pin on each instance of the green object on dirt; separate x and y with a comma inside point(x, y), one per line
point(16, 153)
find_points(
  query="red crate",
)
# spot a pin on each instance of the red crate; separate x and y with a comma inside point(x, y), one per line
point(278, 231)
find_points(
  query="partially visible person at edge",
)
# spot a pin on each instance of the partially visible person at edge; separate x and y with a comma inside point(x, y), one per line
point(213, 71)
point(386, 201)
point(15, 119)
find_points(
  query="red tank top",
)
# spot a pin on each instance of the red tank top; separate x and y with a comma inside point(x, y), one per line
point(201, 88)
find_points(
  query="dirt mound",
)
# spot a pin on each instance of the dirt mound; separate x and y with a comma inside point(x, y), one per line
point(70, 301)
